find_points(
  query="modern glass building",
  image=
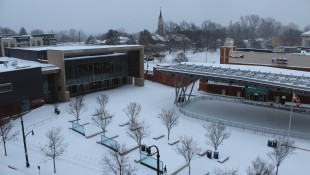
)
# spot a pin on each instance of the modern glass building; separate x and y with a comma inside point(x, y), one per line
point(85, 68)
point(91, 73)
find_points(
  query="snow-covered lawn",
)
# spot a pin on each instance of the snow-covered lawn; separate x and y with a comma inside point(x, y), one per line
point(83, 156)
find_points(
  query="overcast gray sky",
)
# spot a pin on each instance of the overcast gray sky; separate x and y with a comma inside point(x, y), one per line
point(98, 16)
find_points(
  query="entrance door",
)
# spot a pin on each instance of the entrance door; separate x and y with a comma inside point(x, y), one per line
point(238, 93)
point(24, 105)
point(223, 92)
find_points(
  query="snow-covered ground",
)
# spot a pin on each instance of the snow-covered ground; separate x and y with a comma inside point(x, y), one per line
point(83, 156)
point(199, 57)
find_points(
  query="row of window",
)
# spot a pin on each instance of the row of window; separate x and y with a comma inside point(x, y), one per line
point(22, 43)
point(92, 86)
point(89, 70)
point(7, 87)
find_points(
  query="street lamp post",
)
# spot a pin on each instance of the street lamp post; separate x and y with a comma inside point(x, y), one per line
point(24, 139)
point(158, 156)
point(39, 170)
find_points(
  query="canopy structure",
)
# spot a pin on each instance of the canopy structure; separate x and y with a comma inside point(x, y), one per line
point(253, 76)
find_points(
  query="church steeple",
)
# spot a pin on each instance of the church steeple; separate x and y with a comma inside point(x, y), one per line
point(160, 27)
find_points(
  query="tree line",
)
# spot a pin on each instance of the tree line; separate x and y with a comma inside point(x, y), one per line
point(187, 35)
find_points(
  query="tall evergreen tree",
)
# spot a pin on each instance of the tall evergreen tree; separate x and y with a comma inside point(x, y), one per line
point(112, 37)
point(22, 31)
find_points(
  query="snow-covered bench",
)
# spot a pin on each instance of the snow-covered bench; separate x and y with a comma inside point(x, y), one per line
point(173, 142)
point(179, 169)
point(224, 159)
point(73, 120)
point(203, 153)
point(129, 150)
point(158, 137)
point(93, 135)
point(124, 124)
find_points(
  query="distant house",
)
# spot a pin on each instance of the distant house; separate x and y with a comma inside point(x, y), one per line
point(25, 41)
point(305, 39)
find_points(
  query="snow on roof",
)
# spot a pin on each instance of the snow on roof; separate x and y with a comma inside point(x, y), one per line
point(77, 47)
point(269, 76)
point(158, 37)
point(305, 34)
point(13, 64)
point(262, 69)
point(95, 56)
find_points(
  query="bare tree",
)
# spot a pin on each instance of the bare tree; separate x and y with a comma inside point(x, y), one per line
point(307, 28)
point(102, 119)
point(139, 131)
point(284, 148)
point(102, 100)
point(76, 107)
point(188, 148)
point(160, 57)
point(216, 134)
point(55, 146)
point(218, 171)
point(117, 164)
point(260, 167)
point(169, 118)
point(5, 134)
point(132, 111)
point(36, 32)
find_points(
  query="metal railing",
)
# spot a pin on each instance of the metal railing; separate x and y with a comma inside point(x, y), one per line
point(243, 126)
point(32, 126)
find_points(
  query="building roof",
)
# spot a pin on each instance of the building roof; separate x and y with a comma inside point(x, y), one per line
point(256, 76)
point(14, 64)
point(305, 34)
point(80, 47)
point(295, 60)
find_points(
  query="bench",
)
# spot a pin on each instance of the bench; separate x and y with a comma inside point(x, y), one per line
point(73, 120)
point(158, 137)
point(178, 170)
point(124, 124)
point(129, 150)
point(223, 159)
point(173, 142)
point(93, 135)
point(203, 153)
point(12, 167)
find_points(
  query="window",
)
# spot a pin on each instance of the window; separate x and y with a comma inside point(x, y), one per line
point(12, 44)
point(33, 43)
point(7, 87)
point(39, 43)
point(5, 44)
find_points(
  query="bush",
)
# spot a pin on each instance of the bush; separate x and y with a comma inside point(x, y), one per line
point(181, 57)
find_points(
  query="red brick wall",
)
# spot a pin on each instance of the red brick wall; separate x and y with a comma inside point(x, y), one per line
point(15, 108)
point(164, 78)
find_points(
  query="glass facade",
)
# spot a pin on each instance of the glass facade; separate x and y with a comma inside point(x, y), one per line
point(91, 73)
